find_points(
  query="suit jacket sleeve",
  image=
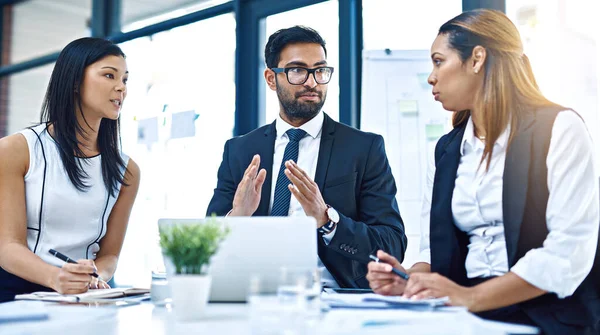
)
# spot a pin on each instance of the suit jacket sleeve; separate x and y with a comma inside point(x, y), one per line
point(222, 200)
point(379, 225)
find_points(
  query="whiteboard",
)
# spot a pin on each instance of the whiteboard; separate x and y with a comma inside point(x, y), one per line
point(397, 103)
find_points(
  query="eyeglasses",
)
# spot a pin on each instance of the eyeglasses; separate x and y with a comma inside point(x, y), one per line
point(299, 75)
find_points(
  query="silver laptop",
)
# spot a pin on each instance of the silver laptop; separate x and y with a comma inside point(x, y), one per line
point(258, 247)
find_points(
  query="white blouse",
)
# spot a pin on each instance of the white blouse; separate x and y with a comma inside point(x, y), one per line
point(59, 216)
point(572, 214)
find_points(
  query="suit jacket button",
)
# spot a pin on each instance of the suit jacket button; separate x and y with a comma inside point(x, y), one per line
point(354, 251)
point(342, 246)
point(347, 249)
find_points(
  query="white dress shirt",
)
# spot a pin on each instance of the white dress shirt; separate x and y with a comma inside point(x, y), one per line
point(308, 154)
point(572, 214)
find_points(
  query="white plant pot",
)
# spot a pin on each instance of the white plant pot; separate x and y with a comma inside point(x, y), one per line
point(190, 296)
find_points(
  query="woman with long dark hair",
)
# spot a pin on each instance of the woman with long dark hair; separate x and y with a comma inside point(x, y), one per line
point(65, 184)
point(511, 214)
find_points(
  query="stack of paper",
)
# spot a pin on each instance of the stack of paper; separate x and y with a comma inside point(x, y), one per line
point(377, 301)
point(89, 296)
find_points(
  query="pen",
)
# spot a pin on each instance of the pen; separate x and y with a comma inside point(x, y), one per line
point(402, 275)
point(67, 259)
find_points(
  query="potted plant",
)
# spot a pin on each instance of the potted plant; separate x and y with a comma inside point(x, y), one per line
point(187, 247)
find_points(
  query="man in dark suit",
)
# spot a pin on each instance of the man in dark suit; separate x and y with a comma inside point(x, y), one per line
point(305, 163)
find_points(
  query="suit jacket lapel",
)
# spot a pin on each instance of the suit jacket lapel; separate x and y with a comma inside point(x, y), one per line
point(515, 182)
point(266, 148)
point(443, 230)
point(327, 137)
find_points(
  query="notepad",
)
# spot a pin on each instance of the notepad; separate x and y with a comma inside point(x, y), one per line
point(376, 301)
point(89, 296)
point(22, 311)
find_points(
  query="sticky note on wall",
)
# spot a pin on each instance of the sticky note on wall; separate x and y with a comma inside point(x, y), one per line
point(434, 131)
point(408, 107)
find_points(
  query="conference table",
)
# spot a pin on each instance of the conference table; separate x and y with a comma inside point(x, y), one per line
point(235, 318)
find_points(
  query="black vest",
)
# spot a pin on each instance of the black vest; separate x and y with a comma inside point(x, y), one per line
point(524, 200)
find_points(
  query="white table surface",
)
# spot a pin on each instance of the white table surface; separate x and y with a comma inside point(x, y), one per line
point(140, 319)
point(145, 319)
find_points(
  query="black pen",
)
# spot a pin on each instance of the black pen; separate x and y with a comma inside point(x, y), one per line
point(67, 259)
point(402, 275)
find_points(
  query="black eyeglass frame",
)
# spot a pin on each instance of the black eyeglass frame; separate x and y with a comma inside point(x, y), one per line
point(308, 73)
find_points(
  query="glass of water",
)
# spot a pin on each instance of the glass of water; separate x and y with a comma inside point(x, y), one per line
point(298, 293)
point(160, 292)
point(300, 289)
point(264, 310)
point(299, 282)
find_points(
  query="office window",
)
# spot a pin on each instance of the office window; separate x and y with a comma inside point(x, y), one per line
point(396, 98)
point(26, 92)
point(40, 27)
point(136, 14)
point(178, 114)
point(322, 17)
point(561, 41)
point(405, 25)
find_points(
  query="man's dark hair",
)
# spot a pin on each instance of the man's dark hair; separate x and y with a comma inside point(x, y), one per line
point(281, 38)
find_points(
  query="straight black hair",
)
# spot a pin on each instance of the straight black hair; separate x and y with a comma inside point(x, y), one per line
point(59, 110)
point(281, 38)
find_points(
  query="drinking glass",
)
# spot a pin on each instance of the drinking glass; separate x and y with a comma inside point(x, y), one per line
point(160, 292)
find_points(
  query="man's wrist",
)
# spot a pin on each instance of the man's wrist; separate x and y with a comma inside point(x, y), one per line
point(322, 221)
point(328, 228)
point(236, 212)
point(331, 220)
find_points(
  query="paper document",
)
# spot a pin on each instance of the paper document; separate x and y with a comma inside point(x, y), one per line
point(89, 296)
point(378, 301)
point(22, 311)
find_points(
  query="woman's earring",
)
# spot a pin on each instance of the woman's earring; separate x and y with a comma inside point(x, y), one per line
point(476, 71)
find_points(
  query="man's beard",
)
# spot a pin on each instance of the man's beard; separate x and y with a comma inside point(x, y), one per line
point(296, 110)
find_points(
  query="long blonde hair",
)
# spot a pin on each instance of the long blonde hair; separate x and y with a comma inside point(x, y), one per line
point(509, 88)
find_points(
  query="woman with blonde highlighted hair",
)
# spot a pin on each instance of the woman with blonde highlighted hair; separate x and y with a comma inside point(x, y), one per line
point(511, 213)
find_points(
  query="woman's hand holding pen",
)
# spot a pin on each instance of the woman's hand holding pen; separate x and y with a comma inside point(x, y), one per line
point(74, 278)
point(381, 278)
point(434, 285)
point(422, 283)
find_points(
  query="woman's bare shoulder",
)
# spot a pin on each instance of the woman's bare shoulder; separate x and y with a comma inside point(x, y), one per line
point(14, 152)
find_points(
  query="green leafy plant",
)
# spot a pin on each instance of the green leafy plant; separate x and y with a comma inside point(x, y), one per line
point(191, 245)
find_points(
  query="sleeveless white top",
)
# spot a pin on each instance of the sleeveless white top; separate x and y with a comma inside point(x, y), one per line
point(59, 216)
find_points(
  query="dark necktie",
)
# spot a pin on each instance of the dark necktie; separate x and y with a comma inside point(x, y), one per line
point(282, 195)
